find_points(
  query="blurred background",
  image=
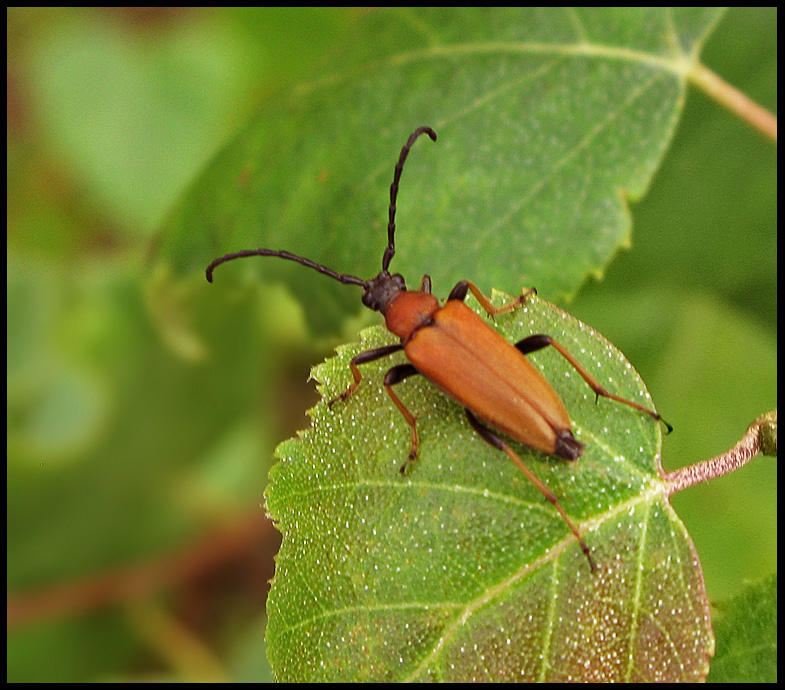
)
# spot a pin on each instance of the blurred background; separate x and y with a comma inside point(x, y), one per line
point(137, 546)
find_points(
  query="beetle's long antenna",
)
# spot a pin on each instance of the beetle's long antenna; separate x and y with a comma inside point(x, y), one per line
point(390, 251)
point(342, 277)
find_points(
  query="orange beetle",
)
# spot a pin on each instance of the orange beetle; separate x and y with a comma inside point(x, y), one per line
point(455, 349)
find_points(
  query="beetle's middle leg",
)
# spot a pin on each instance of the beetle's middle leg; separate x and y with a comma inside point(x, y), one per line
point(461, 289)
point(498, 442)
point(393, 376)
point(539, 341)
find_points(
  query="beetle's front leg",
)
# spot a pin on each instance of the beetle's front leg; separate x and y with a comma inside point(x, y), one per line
point(364, 358)
point(461, 289)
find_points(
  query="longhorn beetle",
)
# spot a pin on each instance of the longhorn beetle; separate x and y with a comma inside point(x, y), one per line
point(465, 357)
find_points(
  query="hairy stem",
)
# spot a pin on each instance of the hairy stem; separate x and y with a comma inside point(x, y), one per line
point(761, 437)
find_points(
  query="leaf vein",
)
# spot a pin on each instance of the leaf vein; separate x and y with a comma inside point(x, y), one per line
point(553, 553)
point(544, 179)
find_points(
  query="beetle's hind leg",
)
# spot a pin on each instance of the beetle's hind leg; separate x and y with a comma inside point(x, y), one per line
point(539, 341)
point(498, 442)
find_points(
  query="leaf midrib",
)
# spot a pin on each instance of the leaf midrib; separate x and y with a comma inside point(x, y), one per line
point(679, 64)
point(650, 494)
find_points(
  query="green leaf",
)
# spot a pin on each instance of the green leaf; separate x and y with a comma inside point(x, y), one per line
point(747, 636)
point(462, 570)
point(548, 119)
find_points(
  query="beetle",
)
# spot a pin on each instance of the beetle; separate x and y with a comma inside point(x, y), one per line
point(463, 356)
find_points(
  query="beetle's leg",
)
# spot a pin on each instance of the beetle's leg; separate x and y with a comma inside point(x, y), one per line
point(364, 358)
point(461, 289)
point(425, 284)
point(497, 442)
point(539, 341)
point(393, 376)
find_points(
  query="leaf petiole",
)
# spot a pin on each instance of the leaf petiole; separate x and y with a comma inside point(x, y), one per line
point(760, 438)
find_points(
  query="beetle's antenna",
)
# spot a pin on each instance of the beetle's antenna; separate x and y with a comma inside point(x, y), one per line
point(390, 251)
point(341, 277)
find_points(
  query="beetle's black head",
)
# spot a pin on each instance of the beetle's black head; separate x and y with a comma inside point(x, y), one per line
point(382, 290)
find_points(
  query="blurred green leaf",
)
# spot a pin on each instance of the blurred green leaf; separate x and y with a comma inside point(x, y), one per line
point(710, 221)
point(746, 630)
point(135, 95)
point(548, 119)
point(462, 571)
point(56, 650)
point(89, 431)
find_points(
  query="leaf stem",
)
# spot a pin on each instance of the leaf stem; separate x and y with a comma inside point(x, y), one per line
point(760, 437)
point(733, 99)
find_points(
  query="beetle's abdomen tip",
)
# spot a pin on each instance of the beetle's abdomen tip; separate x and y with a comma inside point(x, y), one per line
point(567, 446)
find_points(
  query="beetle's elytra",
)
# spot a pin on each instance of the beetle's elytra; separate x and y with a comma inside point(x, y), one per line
point(455, 349)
